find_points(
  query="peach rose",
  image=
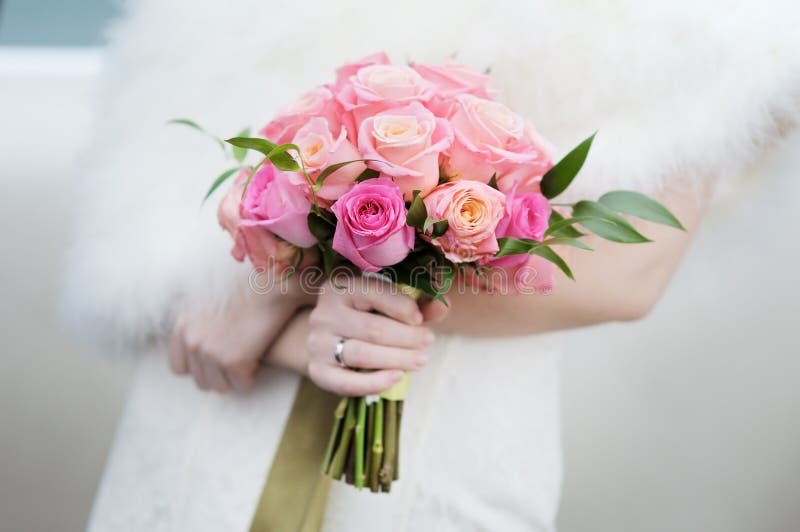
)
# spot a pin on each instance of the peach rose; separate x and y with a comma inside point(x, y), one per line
point(318, 102)
point(491, 139)
point(320, 149)
point(472, 210)
point(405, 144)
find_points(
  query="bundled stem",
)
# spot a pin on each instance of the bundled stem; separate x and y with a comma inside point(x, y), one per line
point(358, 476)
point(342, 450)
point(387, 471)
point(377, 448)
point(338, 416)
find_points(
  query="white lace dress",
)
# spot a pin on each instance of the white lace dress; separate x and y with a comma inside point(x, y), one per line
point(679, 91)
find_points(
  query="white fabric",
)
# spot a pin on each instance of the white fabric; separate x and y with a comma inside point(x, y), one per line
point(679, 91)
point(188, 461)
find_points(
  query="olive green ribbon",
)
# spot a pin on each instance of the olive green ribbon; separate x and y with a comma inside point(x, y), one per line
point(296, 492)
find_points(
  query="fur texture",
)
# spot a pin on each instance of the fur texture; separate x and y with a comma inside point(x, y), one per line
point(679, 91)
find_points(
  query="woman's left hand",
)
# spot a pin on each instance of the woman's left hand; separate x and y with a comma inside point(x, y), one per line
point(224, 351)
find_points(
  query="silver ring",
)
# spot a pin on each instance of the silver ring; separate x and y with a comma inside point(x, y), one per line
point(339, 352)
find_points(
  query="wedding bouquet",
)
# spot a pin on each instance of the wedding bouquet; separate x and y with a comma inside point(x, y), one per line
point(417, 174)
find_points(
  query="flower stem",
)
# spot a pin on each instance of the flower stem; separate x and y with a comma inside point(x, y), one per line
point(337, 465)
point(377, 447)
point(370, 433)
point(338, 416)
point(396, 465)
point(358, 479)
point(387, 473)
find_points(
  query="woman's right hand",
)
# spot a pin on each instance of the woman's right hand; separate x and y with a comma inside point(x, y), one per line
point(388, 343)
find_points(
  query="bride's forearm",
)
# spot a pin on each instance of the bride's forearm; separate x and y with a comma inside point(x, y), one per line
point(614, 283)
point(289, 349)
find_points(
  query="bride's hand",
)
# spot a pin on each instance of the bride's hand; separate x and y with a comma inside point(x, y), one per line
point(388, 343)
point(223, 350)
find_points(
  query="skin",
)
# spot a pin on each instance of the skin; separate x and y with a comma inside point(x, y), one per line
point(616, 283)
point(224, 351)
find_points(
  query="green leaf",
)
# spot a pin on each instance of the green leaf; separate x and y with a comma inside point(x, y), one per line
point(639, 205)
point(276, 154)
point(566, 241)
point(515, 246)
point(186, 122)
point(440, 228)
point(328, 257)
point(559, 177)
point(219, 180)
point(369, 173)
point(331, 169)
point(320, 227)
point(282, 160)
point(611, 226)
point(562, 226)
point(566, 230)
point(427, 225)
point(548, 254)
point(493, 181)
point(448, 272)
point(194, 125)
point(417, 213)
point(240, 153)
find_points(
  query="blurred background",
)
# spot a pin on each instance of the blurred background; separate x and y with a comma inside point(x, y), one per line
point(685, 421)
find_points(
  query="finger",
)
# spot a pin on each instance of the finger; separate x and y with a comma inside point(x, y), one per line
point(215, 378)
point(434, 311)
point(351, 383)
point(377, 329)
point(196, 369)
point(358, 354)
point(176, 355)
point(242, 377)
point(384, 297)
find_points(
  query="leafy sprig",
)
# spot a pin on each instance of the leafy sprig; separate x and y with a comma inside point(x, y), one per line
point(603, 218)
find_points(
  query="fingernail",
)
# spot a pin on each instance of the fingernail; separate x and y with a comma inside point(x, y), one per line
point(396, 376)
point(429, 337)
point(418, 318)
point(421, 359)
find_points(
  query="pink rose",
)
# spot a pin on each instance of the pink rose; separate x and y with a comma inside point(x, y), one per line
point(371, 228)
point(228, 214)
point(274, 203)
point(454, 78)
point(517, 274)
point(320, 149)
point(319, 102)
point(344, 72)
point(527, 215)
point(491, 139)
point(405, 143)
point(450, 80)
point(378, 87)
point(266, 251)
point(472, 210)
